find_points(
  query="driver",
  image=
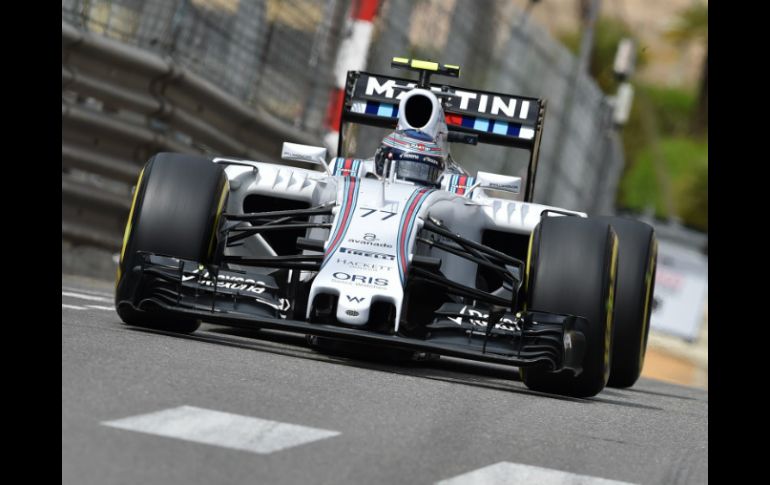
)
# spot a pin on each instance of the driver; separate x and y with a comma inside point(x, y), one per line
point(411, 155)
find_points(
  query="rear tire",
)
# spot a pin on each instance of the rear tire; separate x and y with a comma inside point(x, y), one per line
point(571, 270)
point(637, 261)
point(177, 205)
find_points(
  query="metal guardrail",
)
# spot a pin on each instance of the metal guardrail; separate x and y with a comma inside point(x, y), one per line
point(120, 105)
point(238, 77)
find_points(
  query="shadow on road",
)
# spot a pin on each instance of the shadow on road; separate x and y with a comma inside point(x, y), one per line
point(456, 371)
point(662, 394)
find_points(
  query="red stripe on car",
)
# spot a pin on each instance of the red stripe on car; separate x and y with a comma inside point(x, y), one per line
point(461, 184)
point(404, 231)
point(345, 216)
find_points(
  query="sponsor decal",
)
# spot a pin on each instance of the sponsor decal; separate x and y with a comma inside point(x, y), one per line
point(480, 320)
point(298, 156)
point(373, 87)
point(236, 283)
point(370, 239)
point(429, 160)
point(468, 101)
point(362, 265)
point(495, 185)
point(357, 299)
point(364, 242)
point(250, 286)
point(366, 253)
point(361, 280)
point(404, 142)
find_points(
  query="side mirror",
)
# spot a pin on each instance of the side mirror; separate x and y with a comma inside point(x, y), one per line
point(305, 153)
point(493, 181)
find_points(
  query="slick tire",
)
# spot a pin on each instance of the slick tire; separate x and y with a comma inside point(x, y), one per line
point(637, 262)
point(176, 209)
point(572, 264)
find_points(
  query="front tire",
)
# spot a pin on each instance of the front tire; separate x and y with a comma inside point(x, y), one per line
point(571, 270)
point(637, 261)
point(176, 209)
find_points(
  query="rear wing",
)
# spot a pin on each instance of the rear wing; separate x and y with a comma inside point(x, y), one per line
point(495, 118)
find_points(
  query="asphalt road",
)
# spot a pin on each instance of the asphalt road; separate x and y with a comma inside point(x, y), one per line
point(276, 411)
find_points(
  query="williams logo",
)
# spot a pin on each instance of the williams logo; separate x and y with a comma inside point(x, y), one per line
point(357, 299)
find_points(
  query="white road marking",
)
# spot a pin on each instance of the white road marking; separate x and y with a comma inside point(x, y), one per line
point(99, 307)
point(90, 292)
point(72, 307)
point(84, 297)
point(506, 473)
point(222, 429)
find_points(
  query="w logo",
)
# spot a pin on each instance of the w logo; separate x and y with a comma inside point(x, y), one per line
point(357, 299)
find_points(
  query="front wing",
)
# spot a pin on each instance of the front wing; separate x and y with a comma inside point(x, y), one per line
point(172, 287)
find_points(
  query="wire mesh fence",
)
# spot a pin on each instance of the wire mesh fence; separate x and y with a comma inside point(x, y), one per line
point(277, 56)
point(271, 55)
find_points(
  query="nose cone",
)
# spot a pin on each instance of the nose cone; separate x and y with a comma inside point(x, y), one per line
point(353, 309)
point(420, 110)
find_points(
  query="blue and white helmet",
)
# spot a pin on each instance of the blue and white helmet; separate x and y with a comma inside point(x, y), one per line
point(413, 155)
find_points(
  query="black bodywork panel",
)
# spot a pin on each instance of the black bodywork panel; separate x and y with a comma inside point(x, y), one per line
point(177, 288)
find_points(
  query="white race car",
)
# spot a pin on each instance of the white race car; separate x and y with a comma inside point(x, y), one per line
point(403, 249)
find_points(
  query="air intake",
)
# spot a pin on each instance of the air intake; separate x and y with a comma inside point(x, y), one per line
point(418, 110)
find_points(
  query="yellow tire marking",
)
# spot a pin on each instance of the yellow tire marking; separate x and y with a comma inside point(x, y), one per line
point(610, 306)
point(526, 270)
point(222, 197)
point(127, 232)
point(645, 315)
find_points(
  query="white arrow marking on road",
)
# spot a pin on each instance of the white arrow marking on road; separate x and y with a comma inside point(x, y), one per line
point(222, 429)
point(84, 297)
point(506, 473)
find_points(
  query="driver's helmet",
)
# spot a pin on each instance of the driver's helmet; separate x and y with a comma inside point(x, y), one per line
point(414, 156)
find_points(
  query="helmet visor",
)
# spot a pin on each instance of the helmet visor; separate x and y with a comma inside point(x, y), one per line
point(425, 169)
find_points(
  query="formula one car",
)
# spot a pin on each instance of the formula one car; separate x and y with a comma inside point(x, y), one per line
point(403, 250)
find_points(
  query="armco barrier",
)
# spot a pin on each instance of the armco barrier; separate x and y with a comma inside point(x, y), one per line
point(238, 78)
point(122, 104)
